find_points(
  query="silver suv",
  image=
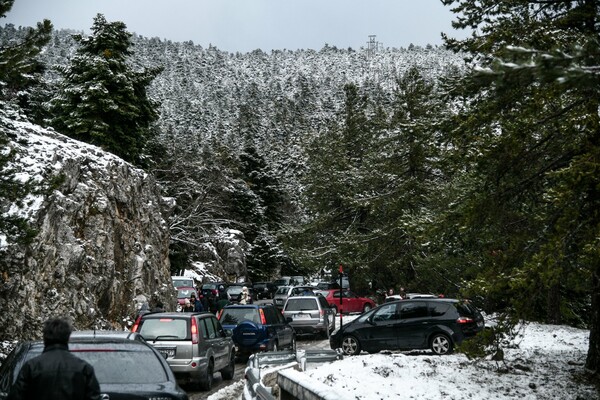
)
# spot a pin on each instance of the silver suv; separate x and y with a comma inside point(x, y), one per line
point(283, 292)
point(310, 314)
point(195, 345)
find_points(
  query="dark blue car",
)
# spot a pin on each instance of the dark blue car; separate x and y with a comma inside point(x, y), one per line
point(257, 327)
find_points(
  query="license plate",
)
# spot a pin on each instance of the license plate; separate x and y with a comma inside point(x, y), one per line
point(167, 353)
point(301, 316)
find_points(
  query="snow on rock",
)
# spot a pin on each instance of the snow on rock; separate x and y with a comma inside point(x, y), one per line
point(101, 235)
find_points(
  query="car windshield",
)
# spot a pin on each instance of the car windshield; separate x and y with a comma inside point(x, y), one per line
point(280, 282)
point(118, 363)
point(165, 329)
point(210, 286)
point(301, 305)
point(233, 316)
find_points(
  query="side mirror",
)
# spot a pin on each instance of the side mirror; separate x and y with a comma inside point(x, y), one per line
point(228, 332)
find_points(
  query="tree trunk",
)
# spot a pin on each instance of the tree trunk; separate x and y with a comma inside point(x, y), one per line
point(553, 306)
point(593, 356)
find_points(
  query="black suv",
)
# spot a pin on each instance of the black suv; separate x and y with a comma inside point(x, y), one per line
point(264, 290)
point(257, 327)
point(436, 324)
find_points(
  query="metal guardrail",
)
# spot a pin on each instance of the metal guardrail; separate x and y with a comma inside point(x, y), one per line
point(272, 361)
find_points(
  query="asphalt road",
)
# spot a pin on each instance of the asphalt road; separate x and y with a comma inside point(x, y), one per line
point(302, 343)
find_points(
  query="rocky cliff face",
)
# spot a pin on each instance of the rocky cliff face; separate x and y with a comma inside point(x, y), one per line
point(101, 237)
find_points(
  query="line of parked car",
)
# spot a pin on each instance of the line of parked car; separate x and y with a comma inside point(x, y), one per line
point(189, 347)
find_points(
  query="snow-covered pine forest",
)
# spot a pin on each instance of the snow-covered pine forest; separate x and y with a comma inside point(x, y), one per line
point(406, 166)
point(216, 106)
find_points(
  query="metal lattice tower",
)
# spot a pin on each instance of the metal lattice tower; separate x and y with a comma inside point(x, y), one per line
point(372, 45)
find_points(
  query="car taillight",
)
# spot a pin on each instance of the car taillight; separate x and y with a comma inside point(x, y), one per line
point(136, 325)
point(464, 320)
point(194, 331)
point(263, 320)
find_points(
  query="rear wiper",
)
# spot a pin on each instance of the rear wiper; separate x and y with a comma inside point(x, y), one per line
point(162, 337)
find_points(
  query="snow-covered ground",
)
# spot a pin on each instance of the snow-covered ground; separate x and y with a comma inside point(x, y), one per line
point(543, 362)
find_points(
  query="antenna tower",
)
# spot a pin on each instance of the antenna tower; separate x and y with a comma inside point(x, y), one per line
point(372, 46)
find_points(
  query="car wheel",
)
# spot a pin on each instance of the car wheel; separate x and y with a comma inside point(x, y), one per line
point(350, 346)
point(228, 372)
point(366, 308)
point(441, 344)
point(207, 382)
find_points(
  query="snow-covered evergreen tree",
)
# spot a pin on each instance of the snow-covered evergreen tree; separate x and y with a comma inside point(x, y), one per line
point(102, 99)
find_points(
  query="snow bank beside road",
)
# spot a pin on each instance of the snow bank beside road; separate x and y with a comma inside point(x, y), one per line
point(544, 364)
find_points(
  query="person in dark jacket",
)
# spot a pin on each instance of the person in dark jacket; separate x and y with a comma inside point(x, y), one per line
point(197, 304)
point(56, 373)
point(159, 307)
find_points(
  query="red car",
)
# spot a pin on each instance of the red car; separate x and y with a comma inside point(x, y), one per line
point(184, 292)
point(351, 303)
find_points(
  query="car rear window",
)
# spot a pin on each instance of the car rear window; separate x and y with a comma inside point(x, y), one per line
point(465, 309)
point(183, 282)
point(233, 316)
point(184, 293)
point(301, 304)
point(121, 363)
point(282, 290)
point(165, 329)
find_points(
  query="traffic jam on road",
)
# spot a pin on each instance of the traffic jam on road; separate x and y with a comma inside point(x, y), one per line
point(217, 326)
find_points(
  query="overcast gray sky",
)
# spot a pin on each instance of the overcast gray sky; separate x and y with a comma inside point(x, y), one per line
point(246, 25)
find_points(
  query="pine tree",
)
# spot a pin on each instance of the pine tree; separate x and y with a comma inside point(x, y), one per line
point(20, 69)
point(531, 134)
point(102, 100)
point(19, 72)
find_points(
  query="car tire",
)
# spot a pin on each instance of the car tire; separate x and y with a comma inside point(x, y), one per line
point(440, 344)
point(350, 346)
point(367, 307)
point(207, 382)
point(228, 372)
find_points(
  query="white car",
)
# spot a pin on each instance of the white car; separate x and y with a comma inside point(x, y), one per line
point(179, 281)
